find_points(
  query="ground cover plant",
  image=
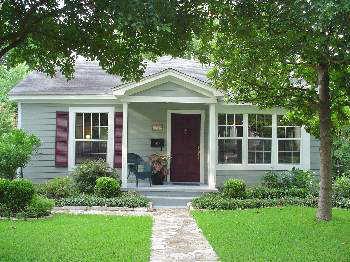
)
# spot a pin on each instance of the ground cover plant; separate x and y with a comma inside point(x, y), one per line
point(276, 234)
point(76, 238)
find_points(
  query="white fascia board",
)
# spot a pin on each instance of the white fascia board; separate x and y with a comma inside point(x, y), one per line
point(165, 99)
point(63, 98)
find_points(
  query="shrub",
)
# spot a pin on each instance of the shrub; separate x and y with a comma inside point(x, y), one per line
point(127, 199)
point(16, 148)
point(59, 187)
point(287, 179)
point(4, 183)
point(39, 206)
point(107, 187)
point(19, 194)
point(234, 188)
point(86, 174)
point(341, 187)
point(269, 193)
point(217, 201)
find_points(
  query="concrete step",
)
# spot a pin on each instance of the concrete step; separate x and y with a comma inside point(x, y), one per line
point(170, 194)
point(170, 202)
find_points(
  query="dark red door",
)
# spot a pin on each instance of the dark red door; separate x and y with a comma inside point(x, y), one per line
point(185, 140)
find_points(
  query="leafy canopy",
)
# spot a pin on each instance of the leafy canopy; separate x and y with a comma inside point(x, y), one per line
point(267, 53)
point(119, 34)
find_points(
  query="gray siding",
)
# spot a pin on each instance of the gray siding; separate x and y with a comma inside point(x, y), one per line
point(169, 89)
point(251, 177)
point(40, 120)
point(315, 154)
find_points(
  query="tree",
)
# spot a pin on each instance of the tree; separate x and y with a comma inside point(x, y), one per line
point(9, 77)
point(49, 34)
point(293, 54)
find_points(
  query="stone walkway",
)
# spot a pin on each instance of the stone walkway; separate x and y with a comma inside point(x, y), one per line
point(176, 237)
point(175, 234)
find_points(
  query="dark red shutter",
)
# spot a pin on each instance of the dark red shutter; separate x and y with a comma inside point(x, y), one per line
point(118, 133)
point(61, 146)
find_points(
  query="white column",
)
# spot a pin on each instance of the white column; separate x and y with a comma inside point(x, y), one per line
point(19, 115)
point(125, 146)
point(305, 149)
point(212, 152)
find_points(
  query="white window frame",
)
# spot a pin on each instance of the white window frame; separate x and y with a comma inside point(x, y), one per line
point(304, 142)
point(71, 140)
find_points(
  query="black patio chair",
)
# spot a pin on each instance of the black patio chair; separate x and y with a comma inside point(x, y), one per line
point(135, 163)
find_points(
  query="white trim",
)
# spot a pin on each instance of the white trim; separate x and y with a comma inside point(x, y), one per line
point(201, 160)
point(125, 146)
point(212, 146)
point(305, 148)
point(71, 137)
point(166, 99)
point(19, 115)
point(166, 76)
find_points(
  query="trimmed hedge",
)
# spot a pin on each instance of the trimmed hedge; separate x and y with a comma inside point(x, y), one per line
point(126, 199)
point(58, 187)
point(39, 206)
point(234, 188)
point(269, 193)
point(107, 187)
point(18, 194)
point(216, 201)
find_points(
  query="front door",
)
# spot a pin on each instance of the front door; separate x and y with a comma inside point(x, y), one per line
point(185, 141)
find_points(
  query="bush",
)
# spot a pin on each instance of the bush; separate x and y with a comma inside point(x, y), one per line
point(86, 174)
point(16, 148)
point(107, 187)
point(39, 206)
point(4, 183)
point(217, 201)
point(287, 179)
point(269, 193)
point(234, 188)
point(341, 187)
point(128, 199)
point(58, 187)
point(19, 194)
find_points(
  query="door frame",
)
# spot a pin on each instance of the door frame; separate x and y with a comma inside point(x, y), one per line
point(201, 145)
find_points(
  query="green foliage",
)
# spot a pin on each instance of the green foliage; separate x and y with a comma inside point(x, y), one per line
point(107, 187)
point(287, 179)
point(217, 201)
point(39, 206)
point(58, 187)
point(4, 184)
point(9, 77)
point(341, 153)
point(129, 199)
point(341, 187)
point(16, 148)
point(118, 34)
point(86, 174)
point(18, 194)
point(268, 193)
point(234, 188)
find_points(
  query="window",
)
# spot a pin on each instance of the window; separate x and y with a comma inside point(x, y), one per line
point(288, 142)
point(230, 134)
point(259, 138)
point(91, 136)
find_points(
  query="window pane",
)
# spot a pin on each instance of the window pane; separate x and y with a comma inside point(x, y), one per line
point(104, 133)
point(95, 119)
point(259, 125)
point(79, 119)
point(87, 125)
point(259, 151)
point(90, 151)
point(104, 119)
point(281, 132)
point(230, 151)
point(239, 131)
point(95, 133)
point(78, 132)
point(233, 131)
point(293, 132)
point(222, 119)
point(230, 119)
point(79, 125)
point(285, 157)
point(239, 119)
point(221, 131)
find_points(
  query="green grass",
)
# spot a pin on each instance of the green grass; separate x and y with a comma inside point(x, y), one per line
point(276, 234)
point(76, 238)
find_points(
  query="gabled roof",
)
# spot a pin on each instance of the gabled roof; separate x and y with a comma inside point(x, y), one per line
point(90, 78)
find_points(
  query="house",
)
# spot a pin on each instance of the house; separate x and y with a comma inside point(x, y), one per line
point(97, 115)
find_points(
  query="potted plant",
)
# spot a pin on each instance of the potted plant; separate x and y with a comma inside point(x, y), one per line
point(159, 164)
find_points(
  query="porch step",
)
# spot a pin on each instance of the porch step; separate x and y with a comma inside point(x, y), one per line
point(169, 202)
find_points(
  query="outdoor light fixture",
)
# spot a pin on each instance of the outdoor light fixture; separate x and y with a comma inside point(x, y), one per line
point(87, 137)
point(157, 126)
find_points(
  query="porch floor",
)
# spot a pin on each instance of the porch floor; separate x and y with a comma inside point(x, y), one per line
point(170, 187)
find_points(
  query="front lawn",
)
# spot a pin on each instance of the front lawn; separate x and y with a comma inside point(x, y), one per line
point(76, 238)
point(276, 234)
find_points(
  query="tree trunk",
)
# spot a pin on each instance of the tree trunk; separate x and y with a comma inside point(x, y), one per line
point(324, 211)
